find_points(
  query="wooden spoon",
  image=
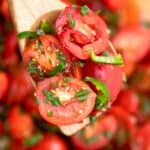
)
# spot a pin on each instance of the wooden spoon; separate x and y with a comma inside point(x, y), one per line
point(26, 15)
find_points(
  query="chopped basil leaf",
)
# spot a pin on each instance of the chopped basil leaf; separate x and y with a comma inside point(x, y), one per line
point(67, 79)
point(92, 140)
point(27, 34)
point(36, 101)
point(33, 140)
point(114, 60)
point(84, 10)
point(32, 69)
point(92, 119)
point(80, 63)
point(47, 28)
point(103, 92)
point(82, 94)
point(52, 99)
point(49, 113)
point(105, 53)
point(71, 21)
point(61, 65)
point(146, 24)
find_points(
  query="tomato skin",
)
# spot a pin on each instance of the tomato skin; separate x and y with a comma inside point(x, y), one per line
point(69, 113)
point(20, 123)
point(83, 43)
point(144, 78)
point(4, 9)
point(19, 81)
point(124, 118)
point(4, 84)
point(10, 54)
point(50, 142)
point(108, 123)
point(114, 5)
point(141, 140)
point(30, 105)
point(128, 100)
point(109, 74)
point(132, 41)
point(17, 145)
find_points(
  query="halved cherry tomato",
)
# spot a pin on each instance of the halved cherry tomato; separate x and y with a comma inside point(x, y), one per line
point(141, 140)
point(97, 135)
point(109, 74)
point(50, 142)
point(64, 101)
point(44, 56)
point(81, 31)
point(20, 123)
point(3, 83)
point(128, 100)
point(131, 42)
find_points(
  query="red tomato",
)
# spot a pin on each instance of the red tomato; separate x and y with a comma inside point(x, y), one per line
point(141, 140)
point(98, 131)
point(44, 54)
point(31, 105)
point(109, 74)
point(20, 123)
point(4, 9)
point(16, 145)
point(80, 34)
point(94, 5)
point(1, 128)
point(129, 7)
point(113, 5)
point(10, 54)
point(124, 118)
point(140, 80)
point(131, 42)
point(70, 109)
point(128, 100)
point(20, 83)
point(3, 83)
point(50, 142)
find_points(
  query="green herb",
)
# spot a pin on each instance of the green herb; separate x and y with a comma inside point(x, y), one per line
point(61, 65)
point(80, 63)
point(33, 140)
point(146, 24)
point(49, 113)
point(115, 60)
point(52, 99)
point(32, 69)
point(92, 140)
point(103, 92)
point(67, 79)
point(27, 34)
point(36, 101)
point(71, 21)
point(105, 53)
point(92, 119)
point(84, 10)
point(108, 134)
point(47, 28)
point(82, 94)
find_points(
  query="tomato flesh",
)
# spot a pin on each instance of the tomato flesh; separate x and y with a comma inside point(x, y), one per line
point(71, 110)
point(89, 32)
